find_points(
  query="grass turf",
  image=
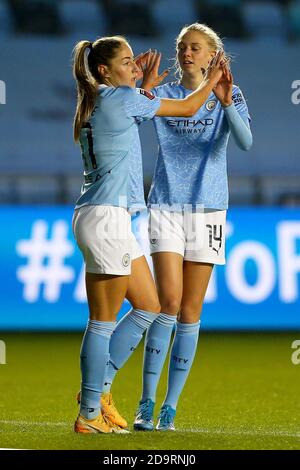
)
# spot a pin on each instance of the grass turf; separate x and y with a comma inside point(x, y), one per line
point(242, 393)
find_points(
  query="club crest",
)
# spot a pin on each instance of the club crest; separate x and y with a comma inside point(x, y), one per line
point(210, 105)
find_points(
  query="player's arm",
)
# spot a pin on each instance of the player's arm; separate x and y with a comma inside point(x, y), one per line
point(239, 127)
point(238, 124)
point(188, 106)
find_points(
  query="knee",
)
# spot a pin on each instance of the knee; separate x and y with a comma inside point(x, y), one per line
point(190, 312)
point(170, 305)
point(152, 306)
point(155, 307)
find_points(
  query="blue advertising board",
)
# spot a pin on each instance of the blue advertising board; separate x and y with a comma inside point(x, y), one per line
point(42, 272)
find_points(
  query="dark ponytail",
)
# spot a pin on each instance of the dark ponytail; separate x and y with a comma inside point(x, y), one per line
point(86, 87)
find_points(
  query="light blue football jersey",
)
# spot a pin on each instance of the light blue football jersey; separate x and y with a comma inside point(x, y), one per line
point(191, 167)
point(111, 149)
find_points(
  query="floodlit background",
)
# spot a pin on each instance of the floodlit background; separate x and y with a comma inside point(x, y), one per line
point(40, 166)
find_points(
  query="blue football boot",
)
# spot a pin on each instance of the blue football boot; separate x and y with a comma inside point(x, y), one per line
point(144, 416)
point(166, 419)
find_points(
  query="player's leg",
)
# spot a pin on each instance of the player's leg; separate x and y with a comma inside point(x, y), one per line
point(205, 234)
point(168, 274)
point(142, 295)
point(96, 232)
point(196, 277)
point(195, 281)
point(105, 296)
point(128, 333)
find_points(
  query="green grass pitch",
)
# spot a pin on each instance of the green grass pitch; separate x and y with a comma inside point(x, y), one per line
point(243, 393)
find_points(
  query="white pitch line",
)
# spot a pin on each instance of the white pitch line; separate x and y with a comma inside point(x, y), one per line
point(228, 432)
point(34, 423)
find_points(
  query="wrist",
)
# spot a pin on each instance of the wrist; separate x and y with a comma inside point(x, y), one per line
point(226, 104)
point(146, 86)
point(208, 82)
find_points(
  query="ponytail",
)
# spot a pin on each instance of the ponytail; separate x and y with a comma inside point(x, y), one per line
point(86, 87)
point(87, 75)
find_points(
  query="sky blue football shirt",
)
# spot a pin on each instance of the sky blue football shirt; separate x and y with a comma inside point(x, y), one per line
point(191, 167)
point(111, 149)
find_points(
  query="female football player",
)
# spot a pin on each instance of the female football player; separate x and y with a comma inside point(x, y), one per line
point(105, 125)
point(187, 201)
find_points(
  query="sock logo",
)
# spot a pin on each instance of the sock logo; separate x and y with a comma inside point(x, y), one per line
point(180, 360)
point(132, 348)
point(152, 350)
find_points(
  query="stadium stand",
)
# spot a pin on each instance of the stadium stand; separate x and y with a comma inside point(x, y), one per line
point(39, 161)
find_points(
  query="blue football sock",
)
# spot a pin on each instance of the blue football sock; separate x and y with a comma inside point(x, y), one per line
point(181, 359)
point(156, 348)
point(94, 357)
point(125, 339)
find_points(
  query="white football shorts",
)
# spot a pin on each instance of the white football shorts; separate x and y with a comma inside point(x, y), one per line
point(105, 238)
point(196, 236)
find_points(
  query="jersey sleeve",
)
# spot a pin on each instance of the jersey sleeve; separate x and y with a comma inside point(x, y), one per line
point(240, 103)
point(139, 103)
point(155, 91)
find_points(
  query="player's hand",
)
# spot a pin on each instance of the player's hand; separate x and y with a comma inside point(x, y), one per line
point(214, 71)
point(151, 75)
point(140, 61)
point(223, 89)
